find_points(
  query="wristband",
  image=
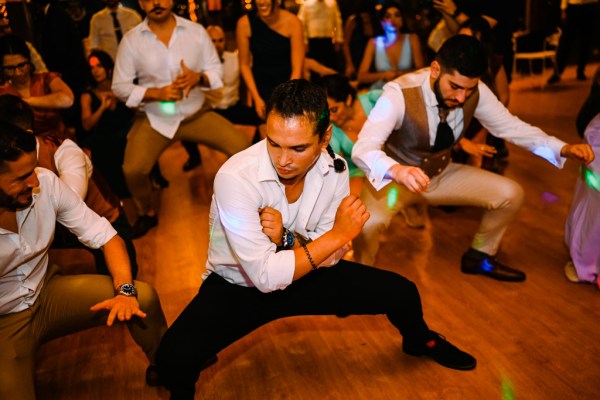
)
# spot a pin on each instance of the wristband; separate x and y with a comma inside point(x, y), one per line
point(312, 263)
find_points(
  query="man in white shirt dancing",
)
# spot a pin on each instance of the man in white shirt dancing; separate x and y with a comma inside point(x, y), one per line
point(174, 62)
point(38, 303)
point(280, 221)
point(406, 142)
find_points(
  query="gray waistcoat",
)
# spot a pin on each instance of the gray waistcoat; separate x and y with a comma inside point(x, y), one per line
point(409, 145)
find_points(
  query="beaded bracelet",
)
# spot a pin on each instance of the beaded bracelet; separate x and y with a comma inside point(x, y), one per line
point(312, 263)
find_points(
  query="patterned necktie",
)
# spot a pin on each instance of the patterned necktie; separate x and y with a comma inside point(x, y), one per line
point(117, 26)
point(444, 136)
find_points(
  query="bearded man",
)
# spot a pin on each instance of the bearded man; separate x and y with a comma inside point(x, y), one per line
point(406, 143)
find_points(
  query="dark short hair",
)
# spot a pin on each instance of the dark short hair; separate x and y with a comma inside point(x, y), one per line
point(14, 142)
point(464, 54)
point(300, 97)
point(13, 45)
point(337, 87)
point(16, 111)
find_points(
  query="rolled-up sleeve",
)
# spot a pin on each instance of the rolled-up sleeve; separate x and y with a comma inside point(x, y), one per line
point(238, 203)
point(74, 167)
point(91, 229)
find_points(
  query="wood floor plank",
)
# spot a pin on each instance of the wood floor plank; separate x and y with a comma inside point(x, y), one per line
point(533, 340)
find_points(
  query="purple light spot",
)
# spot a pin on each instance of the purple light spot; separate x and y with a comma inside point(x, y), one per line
point(548, 198)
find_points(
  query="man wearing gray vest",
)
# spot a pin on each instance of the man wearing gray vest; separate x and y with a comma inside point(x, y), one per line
point(406, 142)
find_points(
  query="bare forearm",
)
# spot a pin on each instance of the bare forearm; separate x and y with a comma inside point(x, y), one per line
point(52, 100)
point(319, 249)
point(92, 120)
point(117, 260)
point(370, 77)
point(249, 80)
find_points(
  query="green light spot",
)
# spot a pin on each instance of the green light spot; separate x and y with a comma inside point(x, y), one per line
point(168, 107)
point(591, 179)
point(507, 390)
point(392, 198)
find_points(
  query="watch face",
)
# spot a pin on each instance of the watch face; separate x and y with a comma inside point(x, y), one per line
point(127, 289)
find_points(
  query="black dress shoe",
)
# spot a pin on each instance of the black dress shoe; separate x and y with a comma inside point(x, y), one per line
point(555, 78)
point(143, 225)
point(442, 352)
point(479, 263)
point(190, 164)
point(153, 379)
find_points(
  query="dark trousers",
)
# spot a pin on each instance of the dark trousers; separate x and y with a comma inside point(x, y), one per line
point(579, 28)
point(221, 313)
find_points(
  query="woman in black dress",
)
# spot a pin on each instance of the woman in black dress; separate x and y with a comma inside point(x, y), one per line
point(271, 49)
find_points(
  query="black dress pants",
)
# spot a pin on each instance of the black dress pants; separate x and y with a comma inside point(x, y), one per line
point(221, 313)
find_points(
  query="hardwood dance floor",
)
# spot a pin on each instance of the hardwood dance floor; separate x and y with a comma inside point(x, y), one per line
point(533, 340)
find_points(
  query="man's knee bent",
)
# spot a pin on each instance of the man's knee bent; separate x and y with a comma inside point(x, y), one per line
point(511, 195)
point(147, 297)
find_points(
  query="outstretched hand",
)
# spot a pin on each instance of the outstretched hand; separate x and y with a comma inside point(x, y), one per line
point(581, 152)
point(121, 308)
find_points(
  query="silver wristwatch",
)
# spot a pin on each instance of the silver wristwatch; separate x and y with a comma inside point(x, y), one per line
point(126, 289)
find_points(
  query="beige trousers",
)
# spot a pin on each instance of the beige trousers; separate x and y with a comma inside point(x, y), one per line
point(457, 185)
point(63, 307)
point(145, 145)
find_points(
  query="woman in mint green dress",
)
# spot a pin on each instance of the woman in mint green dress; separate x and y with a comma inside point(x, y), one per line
point(348, 112)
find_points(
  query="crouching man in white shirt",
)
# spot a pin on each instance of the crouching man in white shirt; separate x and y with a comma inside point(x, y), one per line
point(280, 221)
point(37, 303)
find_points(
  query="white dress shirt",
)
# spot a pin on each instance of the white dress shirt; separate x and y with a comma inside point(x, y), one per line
point(238, 250)
point(73, 167)
point(141, 55)
point(388, 114)
point(229, 94)
point(102, 28)
point(24, 255)
point(321, 19)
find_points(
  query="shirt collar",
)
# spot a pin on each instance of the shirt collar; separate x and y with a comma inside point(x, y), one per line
point(178, 23)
